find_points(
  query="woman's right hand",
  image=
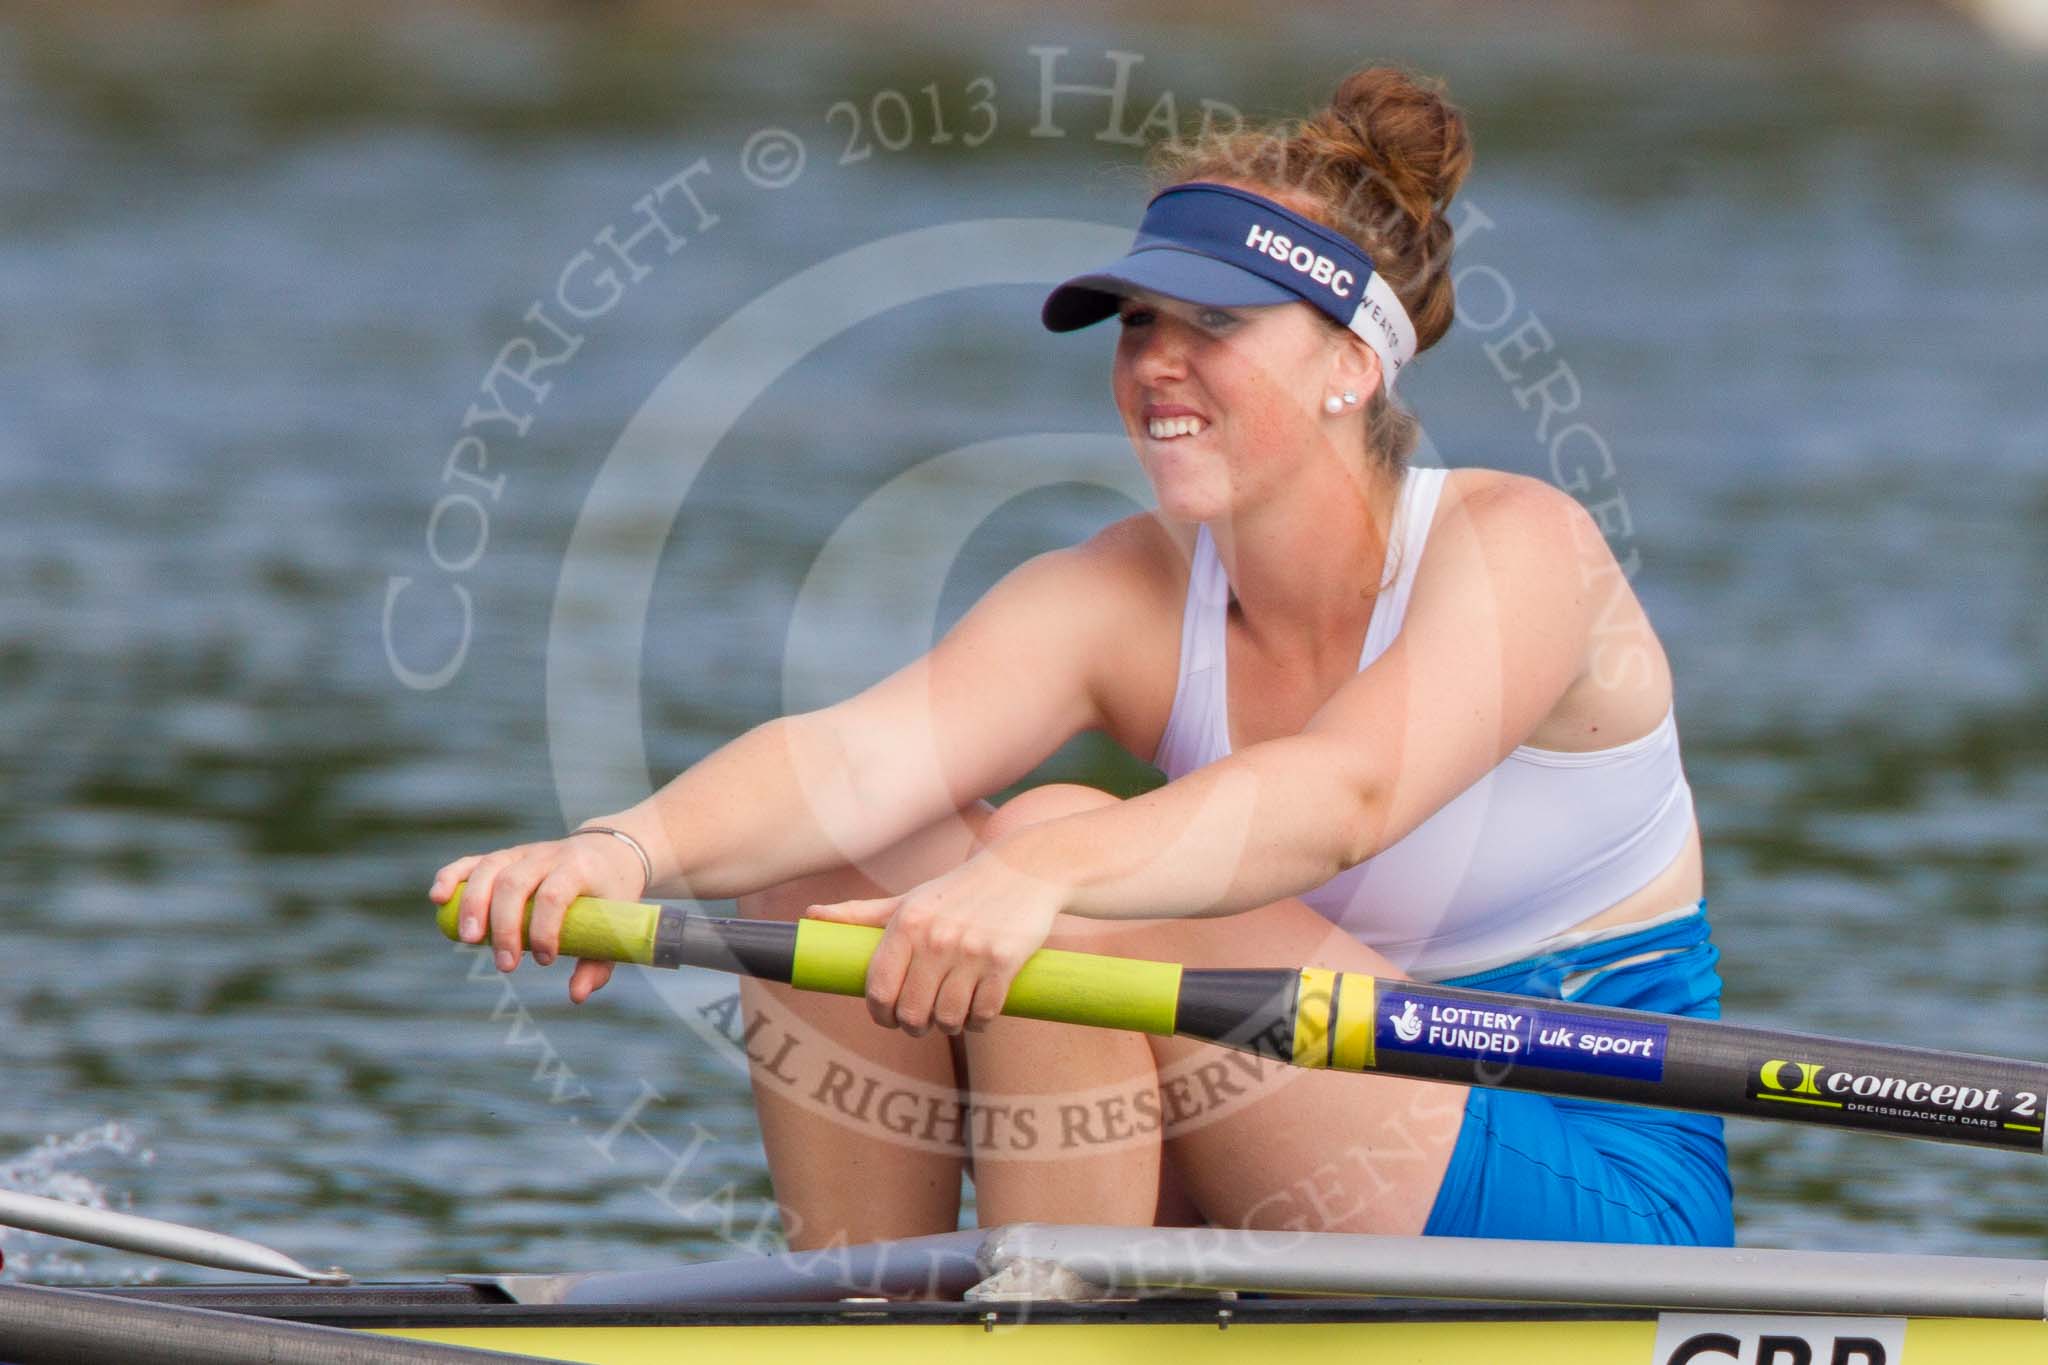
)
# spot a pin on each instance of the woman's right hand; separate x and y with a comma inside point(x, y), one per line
point(550, 874)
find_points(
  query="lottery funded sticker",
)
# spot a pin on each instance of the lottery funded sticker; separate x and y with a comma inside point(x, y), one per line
point(1417, 1020)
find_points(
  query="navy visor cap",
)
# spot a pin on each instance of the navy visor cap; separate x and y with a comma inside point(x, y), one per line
point(1214, 245)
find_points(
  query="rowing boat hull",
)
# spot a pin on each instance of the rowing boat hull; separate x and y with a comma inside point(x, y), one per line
point(1010, 1293)
point(1192, 1295)
point(1199, 1331)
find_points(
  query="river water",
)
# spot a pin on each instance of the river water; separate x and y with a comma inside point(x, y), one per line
point(267, 663)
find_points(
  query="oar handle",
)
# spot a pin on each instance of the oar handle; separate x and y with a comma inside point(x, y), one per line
point(824, 955)
point(608, 930)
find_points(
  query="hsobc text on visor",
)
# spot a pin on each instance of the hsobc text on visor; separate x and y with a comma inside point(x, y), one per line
point(1224, 247)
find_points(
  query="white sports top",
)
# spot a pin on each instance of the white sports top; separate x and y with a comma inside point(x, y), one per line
point(1545, 840)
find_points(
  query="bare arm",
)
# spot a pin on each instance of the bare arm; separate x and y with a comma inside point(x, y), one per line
point(1007, 686)
point(1019, 675)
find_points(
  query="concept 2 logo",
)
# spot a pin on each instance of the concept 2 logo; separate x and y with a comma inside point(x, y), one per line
point(1902, 1098)
point(1787, 1080)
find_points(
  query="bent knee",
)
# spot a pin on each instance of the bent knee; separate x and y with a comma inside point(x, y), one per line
point(1039, 804)
point(919, 857)
point(789, 900)
point(1286, 933)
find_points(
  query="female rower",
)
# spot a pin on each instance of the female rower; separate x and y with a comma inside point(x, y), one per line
point(1414, 721)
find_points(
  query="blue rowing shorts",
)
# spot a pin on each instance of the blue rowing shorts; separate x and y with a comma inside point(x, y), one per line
point(1532, 1166)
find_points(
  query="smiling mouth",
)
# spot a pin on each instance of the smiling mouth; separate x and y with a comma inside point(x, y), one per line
point(1172, 428)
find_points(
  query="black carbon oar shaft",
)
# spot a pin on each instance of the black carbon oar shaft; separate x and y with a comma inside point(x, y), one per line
point(1349, 1021)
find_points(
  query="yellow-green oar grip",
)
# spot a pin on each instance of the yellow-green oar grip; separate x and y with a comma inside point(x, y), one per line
point(1072, 988)
point(616, 931)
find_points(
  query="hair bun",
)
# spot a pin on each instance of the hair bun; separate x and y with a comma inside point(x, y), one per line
point(1403, 133)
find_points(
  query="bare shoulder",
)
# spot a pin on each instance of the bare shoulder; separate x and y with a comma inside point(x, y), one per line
point(1125, 565)
point(1538, 550)
point(1498, 505)
point(1134, 574)
point(1510, 551)
point(1142, 554)
point(1508, 528)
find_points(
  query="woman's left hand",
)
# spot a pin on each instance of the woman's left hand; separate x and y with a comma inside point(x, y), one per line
point(951, 947)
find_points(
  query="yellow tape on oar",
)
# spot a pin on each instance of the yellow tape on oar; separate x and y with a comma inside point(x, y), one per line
point(1333, 1020)
point(1069, 988)
point(1351, 1046)
point(616, 931)
point(1312, 1016)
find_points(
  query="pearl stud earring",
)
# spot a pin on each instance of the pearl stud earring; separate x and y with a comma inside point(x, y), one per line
point(1333, 405)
